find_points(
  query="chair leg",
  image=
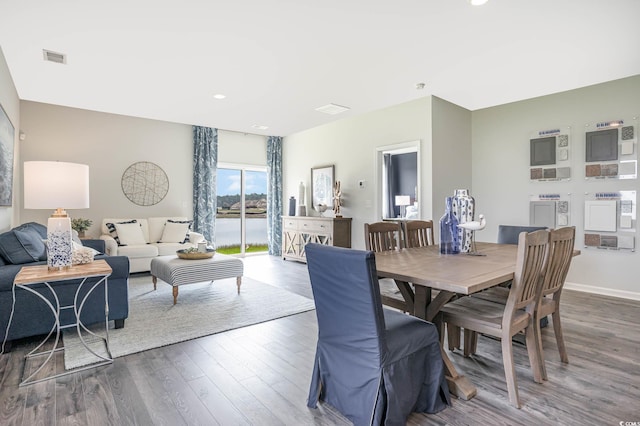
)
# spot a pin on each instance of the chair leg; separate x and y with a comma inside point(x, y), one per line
point(453, 336)
point(510, 371)
point(470, 342)
point(557, 329)
point(534, 349)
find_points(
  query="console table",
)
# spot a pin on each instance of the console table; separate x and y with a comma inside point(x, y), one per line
point(31, 276)
point(297, 231)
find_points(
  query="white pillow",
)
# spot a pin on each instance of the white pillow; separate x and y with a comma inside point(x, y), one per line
point(174, 232)
point(130, 234)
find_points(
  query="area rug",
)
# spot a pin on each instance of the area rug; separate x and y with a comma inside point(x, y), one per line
point(202, 309)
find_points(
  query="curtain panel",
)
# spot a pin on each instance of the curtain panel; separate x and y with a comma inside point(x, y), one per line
point(205, 163)
point(274, 194)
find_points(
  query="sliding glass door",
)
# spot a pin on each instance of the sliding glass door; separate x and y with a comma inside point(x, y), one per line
point(241, 218)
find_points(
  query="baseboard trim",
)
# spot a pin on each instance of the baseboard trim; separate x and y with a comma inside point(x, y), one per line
point(602, 290)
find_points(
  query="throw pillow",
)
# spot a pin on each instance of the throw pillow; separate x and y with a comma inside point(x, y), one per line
point(114, 233)
point(175, 231)
point(130, 234)
point(80, 247)
point(18, 247)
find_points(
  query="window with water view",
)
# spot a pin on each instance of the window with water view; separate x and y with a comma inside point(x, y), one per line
point(241, 218)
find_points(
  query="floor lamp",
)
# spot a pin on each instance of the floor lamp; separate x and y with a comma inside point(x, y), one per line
point(57, 185)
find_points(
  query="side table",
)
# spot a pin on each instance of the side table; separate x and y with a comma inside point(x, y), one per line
point(29, 276)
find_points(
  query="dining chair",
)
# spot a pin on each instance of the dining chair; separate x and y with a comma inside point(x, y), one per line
point(374, 365)
point(561, 246)
point(517, 315)
point(383, 236)
point(380, 237)
point(418, 233)
point(508, 234)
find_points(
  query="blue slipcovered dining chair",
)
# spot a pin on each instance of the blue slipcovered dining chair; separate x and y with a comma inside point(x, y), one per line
point(374, 365)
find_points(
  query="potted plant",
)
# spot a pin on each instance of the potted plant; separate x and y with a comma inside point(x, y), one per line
point(81, 225)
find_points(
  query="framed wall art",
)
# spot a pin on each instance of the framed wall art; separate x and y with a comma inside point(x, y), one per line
point(549, 154)
point(145, 183)
point(322, 186)
point(6, 158)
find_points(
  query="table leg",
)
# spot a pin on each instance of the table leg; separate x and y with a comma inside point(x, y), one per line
point(407, 295)
point(175, 294)
point(459, 385)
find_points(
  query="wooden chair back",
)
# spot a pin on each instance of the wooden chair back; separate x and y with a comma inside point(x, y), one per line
point(418, 233)
point(528, 278)
point(383, 236)
point(561, 244)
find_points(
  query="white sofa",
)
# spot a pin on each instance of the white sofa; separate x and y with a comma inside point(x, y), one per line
point(141, 253)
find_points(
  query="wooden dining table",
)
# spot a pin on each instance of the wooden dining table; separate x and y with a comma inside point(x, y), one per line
point(451, 275)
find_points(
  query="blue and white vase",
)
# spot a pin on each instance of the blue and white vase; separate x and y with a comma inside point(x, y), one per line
point(464, 207)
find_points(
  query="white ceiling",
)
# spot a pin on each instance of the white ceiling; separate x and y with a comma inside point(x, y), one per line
point(278, 60)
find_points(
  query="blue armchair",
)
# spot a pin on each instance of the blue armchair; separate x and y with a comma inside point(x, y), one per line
point(374, 365)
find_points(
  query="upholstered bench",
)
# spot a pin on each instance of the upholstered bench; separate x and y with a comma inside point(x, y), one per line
point(177, 272)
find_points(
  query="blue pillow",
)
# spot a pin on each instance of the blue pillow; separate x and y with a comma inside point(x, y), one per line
point(18, 247)
point(33, 227)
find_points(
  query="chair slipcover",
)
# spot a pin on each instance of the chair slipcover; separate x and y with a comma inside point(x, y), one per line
point(376, 366)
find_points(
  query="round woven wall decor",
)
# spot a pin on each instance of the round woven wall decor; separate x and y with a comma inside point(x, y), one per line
point(145, 183)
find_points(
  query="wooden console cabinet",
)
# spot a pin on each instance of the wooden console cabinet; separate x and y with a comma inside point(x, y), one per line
point(297, 231)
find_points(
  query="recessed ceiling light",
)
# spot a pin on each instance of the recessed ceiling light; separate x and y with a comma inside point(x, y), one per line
point(332, 109)
point(219, 96)
point(420, 86)
point(260, 127)
point(477, 2)
point(58, 58)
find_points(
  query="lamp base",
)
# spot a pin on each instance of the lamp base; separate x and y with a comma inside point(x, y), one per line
point(59, 243)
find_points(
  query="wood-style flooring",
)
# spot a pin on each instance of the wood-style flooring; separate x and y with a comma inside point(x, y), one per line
point(260, 375)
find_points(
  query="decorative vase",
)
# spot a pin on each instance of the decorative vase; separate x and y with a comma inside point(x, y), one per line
point(464, 207)
point(449, 230)
point(301, 194)
point(292, 206)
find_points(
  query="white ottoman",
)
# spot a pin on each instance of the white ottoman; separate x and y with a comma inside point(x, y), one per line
point(176, 271)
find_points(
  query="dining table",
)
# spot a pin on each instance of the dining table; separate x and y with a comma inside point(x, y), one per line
point(418, 271)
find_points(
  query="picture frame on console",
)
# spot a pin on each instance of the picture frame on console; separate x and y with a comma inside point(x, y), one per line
point(322, 179)
point(7, 135)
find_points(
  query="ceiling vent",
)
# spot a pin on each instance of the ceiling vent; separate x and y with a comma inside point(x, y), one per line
point(332, 109)
point(58, 58)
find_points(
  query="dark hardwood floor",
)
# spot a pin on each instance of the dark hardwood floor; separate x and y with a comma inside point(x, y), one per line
point(260, 375)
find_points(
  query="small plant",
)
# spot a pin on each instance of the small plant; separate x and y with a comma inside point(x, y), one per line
point(80, 224)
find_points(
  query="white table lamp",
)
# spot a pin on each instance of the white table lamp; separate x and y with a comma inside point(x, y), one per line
point(403, 201)
point(57, 185)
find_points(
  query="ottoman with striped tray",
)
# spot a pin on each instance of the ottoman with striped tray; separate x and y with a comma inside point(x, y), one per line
point(176, 271)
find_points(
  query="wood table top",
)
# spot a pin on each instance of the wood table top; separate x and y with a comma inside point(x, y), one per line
point(459, 273)
point(41, 273)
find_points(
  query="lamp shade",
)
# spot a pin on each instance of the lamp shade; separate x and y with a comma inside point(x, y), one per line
point(55, 184)
point(403, 200)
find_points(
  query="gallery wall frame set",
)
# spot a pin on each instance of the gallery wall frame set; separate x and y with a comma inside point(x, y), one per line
point(611, 149)
point(610, 220)
point(550, 154)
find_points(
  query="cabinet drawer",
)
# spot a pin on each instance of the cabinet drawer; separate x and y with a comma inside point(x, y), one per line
point(290, 224)
point(316, 226)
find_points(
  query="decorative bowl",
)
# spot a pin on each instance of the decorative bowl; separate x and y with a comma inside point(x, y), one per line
point(192, 255)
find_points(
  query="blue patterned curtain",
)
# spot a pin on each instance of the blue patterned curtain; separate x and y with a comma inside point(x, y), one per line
point(274, 194)
point(205, 163)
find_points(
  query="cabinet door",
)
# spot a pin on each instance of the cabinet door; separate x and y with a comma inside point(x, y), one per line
point(290, 244)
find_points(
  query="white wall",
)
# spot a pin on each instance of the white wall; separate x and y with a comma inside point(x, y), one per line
point(11, 105)
point(110, 143)
point(451, 126)
point(501, 182)
point(350, 145)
